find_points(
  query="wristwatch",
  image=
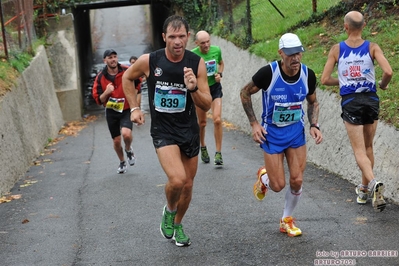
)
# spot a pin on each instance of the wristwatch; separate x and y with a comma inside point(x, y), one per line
point(220, 74)
point(315, 125)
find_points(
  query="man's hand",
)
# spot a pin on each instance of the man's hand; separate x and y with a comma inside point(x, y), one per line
point(189, 79)
point(110, 88)
point(381, 86)
point(258, 133)
point(218, 78)
point(316, 135)
point(137, 117)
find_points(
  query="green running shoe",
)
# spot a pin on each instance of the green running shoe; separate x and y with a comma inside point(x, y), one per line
point(218, 158)
point(204, 155)
point(180, 237)
point(168, 223)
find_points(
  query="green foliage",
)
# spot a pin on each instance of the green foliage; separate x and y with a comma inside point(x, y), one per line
point(52, 7)
point(20, 61)
point(201, 14)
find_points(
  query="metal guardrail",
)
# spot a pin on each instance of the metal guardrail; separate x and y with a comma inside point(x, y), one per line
point(17, 28)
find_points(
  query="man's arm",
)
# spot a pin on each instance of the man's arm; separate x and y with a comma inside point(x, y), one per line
point(245, 95)
point(221, 66)
point(258, 132)
point(218, 76)
point(332, 59)
point(101, 96)
point(201, 96)
point(313, 117)
point(135, 71)
point(313, 109)
point(377, 53)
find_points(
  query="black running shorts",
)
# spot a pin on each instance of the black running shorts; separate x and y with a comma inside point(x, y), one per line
point(360, 108)
point(216, 91)
point(116, 121)
point(189, 146)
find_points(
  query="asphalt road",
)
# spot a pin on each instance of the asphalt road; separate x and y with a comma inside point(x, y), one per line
point(81, 212)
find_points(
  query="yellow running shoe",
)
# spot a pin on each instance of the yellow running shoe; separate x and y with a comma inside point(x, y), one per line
point(287, 225)
point(260, 189)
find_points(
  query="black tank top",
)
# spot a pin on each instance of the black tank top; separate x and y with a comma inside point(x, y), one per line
point(171, 106)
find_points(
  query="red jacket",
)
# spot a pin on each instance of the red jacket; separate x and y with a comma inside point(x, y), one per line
point(103, 79)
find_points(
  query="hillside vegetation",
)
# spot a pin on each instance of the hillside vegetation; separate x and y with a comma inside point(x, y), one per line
point(322, 30)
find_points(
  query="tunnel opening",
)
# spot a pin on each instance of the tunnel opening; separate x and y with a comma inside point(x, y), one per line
point(124, 18)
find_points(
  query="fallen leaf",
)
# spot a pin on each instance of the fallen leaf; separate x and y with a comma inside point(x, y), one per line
point(360, 220)
point(28, 183)
point(4, 200)
point(9, 198)
point(25, 221)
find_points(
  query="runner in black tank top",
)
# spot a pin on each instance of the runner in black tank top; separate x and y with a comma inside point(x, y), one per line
point(177, 83)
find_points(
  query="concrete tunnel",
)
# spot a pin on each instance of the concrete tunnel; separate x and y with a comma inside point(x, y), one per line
point(159, 11)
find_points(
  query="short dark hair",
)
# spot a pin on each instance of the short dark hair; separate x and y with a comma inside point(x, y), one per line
point(133, 58)
point(176, 22)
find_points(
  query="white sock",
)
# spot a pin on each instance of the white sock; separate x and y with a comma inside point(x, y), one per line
point(371, 184)
point(265, 180)
point(291, 200)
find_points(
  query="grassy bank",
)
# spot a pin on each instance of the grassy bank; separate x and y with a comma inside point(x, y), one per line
point(320, 31)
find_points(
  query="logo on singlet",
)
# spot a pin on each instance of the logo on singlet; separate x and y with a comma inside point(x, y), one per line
point(158, 72)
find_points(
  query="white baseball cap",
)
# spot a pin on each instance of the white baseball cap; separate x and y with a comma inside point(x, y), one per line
point(290, 44)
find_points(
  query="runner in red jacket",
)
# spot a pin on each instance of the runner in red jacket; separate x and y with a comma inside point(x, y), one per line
point(107, 91)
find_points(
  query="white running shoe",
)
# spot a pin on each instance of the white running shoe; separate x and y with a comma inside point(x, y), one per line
point(130, 157)
point(122, 168)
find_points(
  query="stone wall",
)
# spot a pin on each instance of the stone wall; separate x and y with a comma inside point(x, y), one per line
point(63, 57)
point(30, 115)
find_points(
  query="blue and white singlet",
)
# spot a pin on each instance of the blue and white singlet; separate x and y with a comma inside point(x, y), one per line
point(356, 69)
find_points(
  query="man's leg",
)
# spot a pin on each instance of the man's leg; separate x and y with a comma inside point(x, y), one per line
point(190, 166)
point(201, 115)
point(180, 171)
point(275, 170)
point(217, 122)
point(218, 129)
point(118, 147)
point(357, 140)
point(375, 188)
point(296, 160)
point(127, 137)
point(369, 133)
point(170, 160)
point(119, 152)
